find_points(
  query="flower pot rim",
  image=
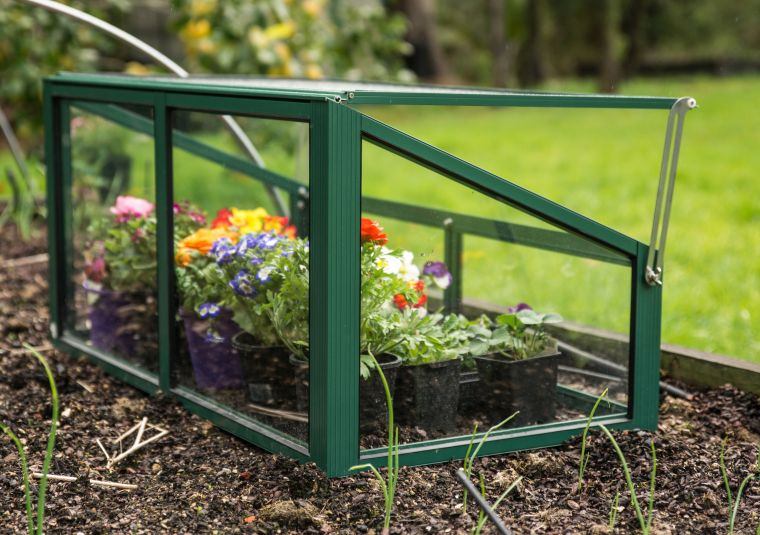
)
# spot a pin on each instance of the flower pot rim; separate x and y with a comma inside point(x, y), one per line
point(242, 345)
point(436, 364)
point(551, 351)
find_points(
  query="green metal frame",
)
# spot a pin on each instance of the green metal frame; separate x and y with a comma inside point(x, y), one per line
point(332, 212)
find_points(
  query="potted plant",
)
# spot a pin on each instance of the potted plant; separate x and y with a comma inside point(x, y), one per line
point(428, 385)
point(223, 279)
point(120, 277)
point(517, 363)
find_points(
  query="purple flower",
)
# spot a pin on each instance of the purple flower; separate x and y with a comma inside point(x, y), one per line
point(222, 250)
point(519, 307)
point(243, 284)
point(255, 261)
point(439, 273)
point(264, 274)
point(209, 310)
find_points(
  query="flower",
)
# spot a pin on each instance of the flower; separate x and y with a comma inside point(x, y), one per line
point(127, 207)
point(519, 307)
point(96, 270)
point(439, 273)
point(372, 232)
point(279, 224)
point(264, 274)
point(400, 301)
point(248, 220)
point(242, 284)
point(137, 235)
point(200, 241)
point(222, 250)
point(399, 265)
point(208, 310)
point(222, 219)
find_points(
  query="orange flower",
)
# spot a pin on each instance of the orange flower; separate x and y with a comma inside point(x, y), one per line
point(201, 241)
point(371, 231)
point(222, 218)
point(280, 225)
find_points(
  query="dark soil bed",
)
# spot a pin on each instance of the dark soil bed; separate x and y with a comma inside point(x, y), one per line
point(200, 480)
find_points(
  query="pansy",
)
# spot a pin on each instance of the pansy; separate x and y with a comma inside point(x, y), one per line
point(243, 284)
point(519, 307)
point(222, 219)
point(208, 310)
point(264, 273)
point(222, 250)
point(439, 273)
point(401, 265)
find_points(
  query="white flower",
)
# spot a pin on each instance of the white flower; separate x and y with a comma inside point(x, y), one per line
point(408, 271)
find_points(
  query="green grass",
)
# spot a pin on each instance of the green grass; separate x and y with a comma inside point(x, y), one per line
point(601, 163)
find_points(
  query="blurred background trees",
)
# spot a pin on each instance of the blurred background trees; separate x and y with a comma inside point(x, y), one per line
point(482, 42)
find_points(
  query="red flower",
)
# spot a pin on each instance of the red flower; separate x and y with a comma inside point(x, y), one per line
point(372, 232)
point(421, 301)
point(419, 286)
point(222, 218)
point(400, 301)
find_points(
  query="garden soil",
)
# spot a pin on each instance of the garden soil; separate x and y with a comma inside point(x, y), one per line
point(199, 479)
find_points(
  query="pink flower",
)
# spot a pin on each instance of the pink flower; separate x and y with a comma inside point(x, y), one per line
point(96, 270)
point(127, 207)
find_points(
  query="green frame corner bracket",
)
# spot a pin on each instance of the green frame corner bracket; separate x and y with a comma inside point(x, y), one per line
point(328, 210)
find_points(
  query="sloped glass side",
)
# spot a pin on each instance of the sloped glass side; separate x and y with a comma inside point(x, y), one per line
point(231, 246)
point(477, 311)
point(110, 224)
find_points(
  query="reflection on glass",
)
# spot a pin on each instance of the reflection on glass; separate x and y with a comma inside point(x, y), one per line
point(111, 298)
point(501, 329)
point(242, 279)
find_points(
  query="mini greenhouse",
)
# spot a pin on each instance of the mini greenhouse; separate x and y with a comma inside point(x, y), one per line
point(266, 286)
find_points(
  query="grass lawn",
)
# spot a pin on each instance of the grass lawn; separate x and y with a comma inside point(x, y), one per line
point(601, 163)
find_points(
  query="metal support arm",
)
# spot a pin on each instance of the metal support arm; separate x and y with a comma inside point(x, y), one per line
point(668, 167)
point(169, 64)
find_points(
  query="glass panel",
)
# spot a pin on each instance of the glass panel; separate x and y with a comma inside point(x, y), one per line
point(231, 248)
point(475, 310)
point(111, 298)
point(593, 161)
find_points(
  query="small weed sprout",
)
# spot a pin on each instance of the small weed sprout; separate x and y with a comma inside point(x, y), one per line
point(644, 523)
point(584, 439)
point(42, 488)
point(470, 456)
point(482, 515)
point(388, 486)
point(733, 503)
point(614, 510)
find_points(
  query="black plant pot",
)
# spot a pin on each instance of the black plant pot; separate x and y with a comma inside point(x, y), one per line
point(372, 402)
point(469, 390)
point(427, 396)
point(266, 372)
point(528, 386)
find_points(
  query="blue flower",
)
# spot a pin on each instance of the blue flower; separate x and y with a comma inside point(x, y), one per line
point(248, 241)
point(209, 310)
point(213, 337)
point(222, 250)
point(255, 261)
point(243, 284)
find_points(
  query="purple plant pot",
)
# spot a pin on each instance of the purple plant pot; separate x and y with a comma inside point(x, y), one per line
point(216, 364)
point(123, 324)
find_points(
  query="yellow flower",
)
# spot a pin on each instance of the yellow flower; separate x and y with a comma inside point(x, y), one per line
point(257, 37)
point(206, 46)
point(248, 220)
point(136, 68)
point(282, 51)
point(313, 71)
point(200, 8)
point(282, 30)
point(197, 29)
point(312, 7)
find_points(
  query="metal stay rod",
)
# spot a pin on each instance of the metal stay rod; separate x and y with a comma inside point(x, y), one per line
point(668, 167)
point(125, 37)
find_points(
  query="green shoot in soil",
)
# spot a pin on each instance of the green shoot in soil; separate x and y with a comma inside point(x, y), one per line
point(733, 504)
point(469, 458)
point(482, 516)
point(584, 453)
point(42, 489)
point(388, 487)
point(614, 510)
point(644, 523)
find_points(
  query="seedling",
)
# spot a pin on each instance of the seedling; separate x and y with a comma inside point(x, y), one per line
point(42, 488)
point(387, 484)
point(733, 504)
